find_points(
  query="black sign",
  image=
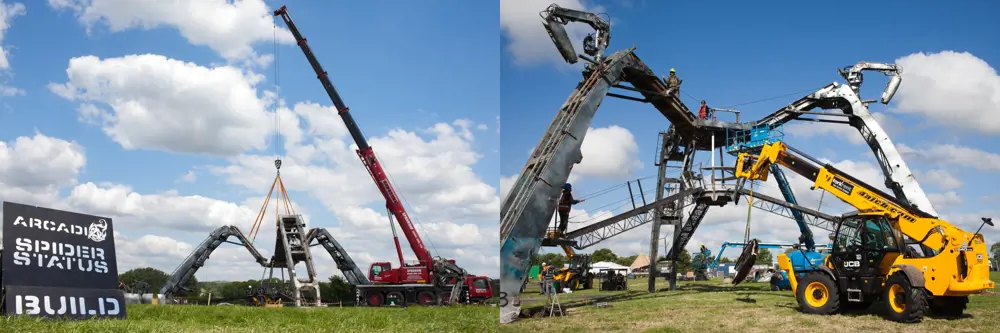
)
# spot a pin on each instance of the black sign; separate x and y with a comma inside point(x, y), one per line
point(61, 254)
point(72, 303)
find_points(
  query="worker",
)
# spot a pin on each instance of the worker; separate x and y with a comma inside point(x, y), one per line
point(541, 277)
point(703, 110)
point(673, 82)
point(547, 281)
point(565, 203)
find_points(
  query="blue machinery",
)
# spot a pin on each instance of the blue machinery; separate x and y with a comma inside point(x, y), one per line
point(819, 249)
point(756, 137)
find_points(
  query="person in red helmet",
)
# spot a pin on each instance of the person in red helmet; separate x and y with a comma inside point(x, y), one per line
point(566, 202)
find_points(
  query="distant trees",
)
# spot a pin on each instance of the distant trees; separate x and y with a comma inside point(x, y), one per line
point(764, 257)
point(154, 277)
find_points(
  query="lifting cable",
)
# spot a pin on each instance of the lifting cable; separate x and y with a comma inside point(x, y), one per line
point(746, 236)
point(282, 194)
point(772, 98)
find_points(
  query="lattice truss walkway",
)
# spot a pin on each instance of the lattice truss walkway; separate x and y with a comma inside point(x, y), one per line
point(635, 201)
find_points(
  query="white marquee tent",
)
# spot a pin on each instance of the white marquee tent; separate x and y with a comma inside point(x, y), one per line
point(598, 266)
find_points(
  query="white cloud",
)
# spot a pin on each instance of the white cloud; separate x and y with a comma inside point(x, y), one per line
point(230, 28)
point(506, 183)
point(166, 104)
point(189, 177)
point(8, 12)
point(953, 155)
point(608, 152)
point(168, 210)
point(952, 88)
point(32, 169)
point(945, 200)
point(529, 43)
point(943, 179)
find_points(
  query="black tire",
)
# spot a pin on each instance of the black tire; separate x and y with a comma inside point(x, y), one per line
point(400, 299)
point(426, 298)
point(903, 302)
point(817, 293)
point(949, 306)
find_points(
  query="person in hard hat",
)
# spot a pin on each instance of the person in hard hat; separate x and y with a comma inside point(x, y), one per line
point(703, 110)
point(673, 82)
point(565, 203)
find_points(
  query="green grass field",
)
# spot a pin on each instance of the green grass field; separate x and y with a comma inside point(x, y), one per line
point(713, 306)
point(193, 318)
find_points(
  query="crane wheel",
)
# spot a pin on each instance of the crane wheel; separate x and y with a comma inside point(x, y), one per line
point(426, 298)
point(904, 303)
point(374, 299)
point(949, 306)
point(397, 296)
point(818, 294)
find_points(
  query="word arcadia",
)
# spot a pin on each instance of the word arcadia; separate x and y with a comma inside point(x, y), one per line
point(35, 305)
point(47, 254)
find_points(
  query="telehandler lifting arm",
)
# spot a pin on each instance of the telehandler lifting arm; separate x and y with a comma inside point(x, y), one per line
point(910, 221)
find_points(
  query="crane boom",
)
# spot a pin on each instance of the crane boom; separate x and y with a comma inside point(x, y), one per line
point(365, 152)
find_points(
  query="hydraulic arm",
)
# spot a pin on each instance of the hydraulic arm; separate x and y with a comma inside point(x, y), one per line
point(805, 233)
point(898, 176)
point(365, 152)
point(554, 18)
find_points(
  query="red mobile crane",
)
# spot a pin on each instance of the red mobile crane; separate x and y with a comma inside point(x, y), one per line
point(421, 283)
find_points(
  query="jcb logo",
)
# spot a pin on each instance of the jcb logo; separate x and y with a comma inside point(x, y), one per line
point(852, 264)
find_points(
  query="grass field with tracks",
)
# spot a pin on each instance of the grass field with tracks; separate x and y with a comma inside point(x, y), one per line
point(713, 306)
point(194, 318)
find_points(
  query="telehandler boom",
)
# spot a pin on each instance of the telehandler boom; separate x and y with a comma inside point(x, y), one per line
point(872, 256)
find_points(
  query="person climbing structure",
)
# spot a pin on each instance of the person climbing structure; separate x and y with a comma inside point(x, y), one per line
point(673, 83)
point(566, 201)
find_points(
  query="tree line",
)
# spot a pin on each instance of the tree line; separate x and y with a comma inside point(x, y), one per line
point(335, 289)
point(685, 261)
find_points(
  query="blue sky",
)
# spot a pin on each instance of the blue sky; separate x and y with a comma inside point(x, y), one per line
point(731, 53)
point(401, 67)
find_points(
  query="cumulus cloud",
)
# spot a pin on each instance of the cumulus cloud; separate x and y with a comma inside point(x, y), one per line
point(957, 89)
point(953, 155)
point(608, 152)
point(845, 132)
point(528, 41)
point(154, 102)
point(941, 178)
point(230, 28)
point(506, 183)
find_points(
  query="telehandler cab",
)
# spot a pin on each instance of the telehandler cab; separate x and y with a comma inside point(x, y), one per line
point(875, 250)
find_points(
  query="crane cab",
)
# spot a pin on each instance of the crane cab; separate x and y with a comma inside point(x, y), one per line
point(383, 273)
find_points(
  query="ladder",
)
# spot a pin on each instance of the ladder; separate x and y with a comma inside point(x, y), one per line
point(293, 248)
point(552, 301)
